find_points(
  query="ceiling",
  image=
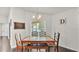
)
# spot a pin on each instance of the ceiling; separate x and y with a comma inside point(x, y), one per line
point(4, 11)
point(47, 10)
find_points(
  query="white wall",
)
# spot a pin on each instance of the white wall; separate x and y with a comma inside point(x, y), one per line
point(17, 15)
point(4, 12)
point(78, 26)
point(69, 31)
point(48, 21)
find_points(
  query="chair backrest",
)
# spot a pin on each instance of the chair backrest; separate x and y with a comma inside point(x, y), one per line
point(57, 37)
point(18, 40)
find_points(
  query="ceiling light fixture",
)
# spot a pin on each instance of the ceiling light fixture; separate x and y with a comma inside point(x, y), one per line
point(38, 17)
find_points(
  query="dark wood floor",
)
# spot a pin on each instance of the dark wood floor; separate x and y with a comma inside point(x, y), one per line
point(61, 49)
point(5, 47)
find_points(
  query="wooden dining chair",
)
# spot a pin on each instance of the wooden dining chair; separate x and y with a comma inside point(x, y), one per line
point(19, 44)
point(56, 38)
point(55, 45)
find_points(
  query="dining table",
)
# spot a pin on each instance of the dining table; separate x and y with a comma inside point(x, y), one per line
point(49, 43)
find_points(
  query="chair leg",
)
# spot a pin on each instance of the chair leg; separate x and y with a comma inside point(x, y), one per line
point(17, 49)
point(30, 50)
point(57, 49)
point(24, 48)
point(38, 50)
point(27, 50)
point(48, 49)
